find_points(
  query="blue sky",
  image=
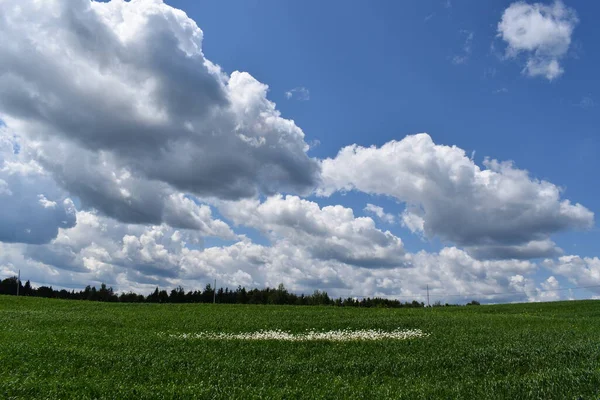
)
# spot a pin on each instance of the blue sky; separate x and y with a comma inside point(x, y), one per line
point(379, 71)
point(147, 160)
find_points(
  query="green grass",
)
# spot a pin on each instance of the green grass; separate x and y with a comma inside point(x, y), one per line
point(77, 349)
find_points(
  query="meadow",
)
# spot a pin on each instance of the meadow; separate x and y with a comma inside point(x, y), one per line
point(55, 349)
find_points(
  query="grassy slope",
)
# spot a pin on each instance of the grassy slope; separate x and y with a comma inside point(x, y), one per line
point(71, 349)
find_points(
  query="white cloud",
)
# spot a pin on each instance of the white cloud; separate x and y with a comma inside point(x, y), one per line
point(45, 202)
point(32, 208)
point(130, 200)
point(580, 271)
point(134, 112)
point(463, 57)
point(328, 233)
point(299, 93)
point(549, 290)
point(128, 257)
point(453, 271)
point(497, 211)
point(457, 60)
point(412, 220)
point(380, 213)
point(135, 257)
point(586, 103)
point(542, 32)
point(102, 249)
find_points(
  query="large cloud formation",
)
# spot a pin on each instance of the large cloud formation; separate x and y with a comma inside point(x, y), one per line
point(126, 109)
point(127, 256)
point(496, 212)
point(119, 134)
point(33, 207)
point(102, 248)
point(542, 32)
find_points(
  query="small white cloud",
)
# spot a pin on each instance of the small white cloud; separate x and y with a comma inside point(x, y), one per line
point(466, 50)
point(380, 213)
point(550, 68)
point(314, 143)
point(542, 32)
point(299, 93)
point(501, 90)
point(550, 290)
point(586, 103)
point(427, 18)
point(412, 220)
point(45, 202)
point(457, 60)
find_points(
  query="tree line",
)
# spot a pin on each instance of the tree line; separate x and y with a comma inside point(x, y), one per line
point(240, 295)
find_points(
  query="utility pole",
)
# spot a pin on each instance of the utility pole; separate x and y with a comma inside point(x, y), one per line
point(215, 292)
point(427, 295)
point(18, 282)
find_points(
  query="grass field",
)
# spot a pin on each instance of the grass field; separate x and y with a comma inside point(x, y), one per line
point(78, 349)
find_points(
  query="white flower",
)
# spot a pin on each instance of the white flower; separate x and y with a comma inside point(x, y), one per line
point(334, 336)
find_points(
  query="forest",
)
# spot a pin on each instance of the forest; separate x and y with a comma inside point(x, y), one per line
point(240, 295)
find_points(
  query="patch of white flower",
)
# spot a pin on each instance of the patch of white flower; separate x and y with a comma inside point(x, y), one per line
point(333, 336)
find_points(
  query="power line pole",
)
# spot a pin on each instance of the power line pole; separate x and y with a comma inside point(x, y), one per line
point(18, 282)
point(427, 295)
point(215, 292)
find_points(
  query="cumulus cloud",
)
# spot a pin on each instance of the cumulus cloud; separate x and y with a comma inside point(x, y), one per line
point(454, 272)
point(100, 248)
point(542, 32)
point(525, 287)
point(35, 206)
point(134, 257)
point(299, 93)
point(134, 112)
point(580, 271)
point(328, 233)
point(549, 290)
point(497, 211)
point(380, 213)
point(312, 247)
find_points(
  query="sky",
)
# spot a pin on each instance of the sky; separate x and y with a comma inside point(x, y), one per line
point(365, 149)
